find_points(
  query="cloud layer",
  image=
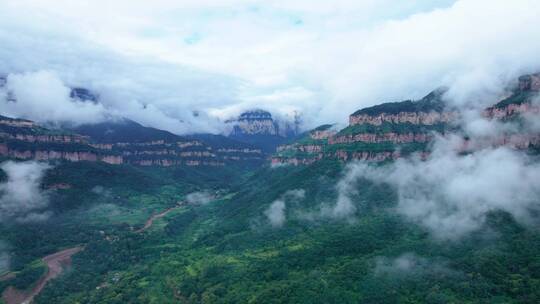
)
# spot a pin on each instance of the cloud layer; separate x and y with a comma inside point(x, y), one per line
point(451, 194)
point(21, 197)
point(181, 65)
point(43, 97)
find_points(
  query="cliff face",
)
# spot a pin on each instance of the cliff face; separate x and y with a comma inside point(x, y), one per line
point(260, 129)
point(391, 137)
point(260, 122)
point(256, 122)
point(147, 146)
point(379, 133)
point(392, 130)
point(23, 139)
point(529, 82)
point(118, 144)
point(418, 118)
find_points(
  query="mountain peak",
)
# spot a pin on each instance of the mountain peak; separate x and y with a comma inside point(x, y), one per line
point(83, 94)
point(259, 128)
point(431, 102)
point(529, 82)
point(256, 114)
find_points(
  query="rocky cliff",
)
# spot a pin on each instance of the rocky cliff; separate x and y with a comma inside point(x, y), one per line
point(259, 128)
point(117, 142)
point(146, 146)
point(392, 130)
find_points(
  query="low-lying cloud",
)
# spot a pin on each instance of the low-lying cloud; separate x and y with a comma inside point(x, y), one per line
point(276, 213)
point(451, 194)
point(21, 198)
point(200, 197)
point(481, 168)
point(410, 264)
point(346, 188)
point(43, 97)
point(102, 191)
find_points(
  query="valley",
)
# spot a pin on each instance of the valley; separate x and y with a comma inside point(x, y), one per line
point(211, 219)
point(269, 152)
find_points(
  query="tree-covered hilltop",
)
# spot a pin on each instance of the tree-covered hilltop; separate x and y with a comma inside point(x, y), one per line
point(432, 102)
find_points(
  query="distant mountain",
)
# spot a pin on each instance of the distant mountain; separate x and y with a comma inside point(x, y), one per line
point(83, 94)
point(259, 128)
point(118, 141)
point(124, 130)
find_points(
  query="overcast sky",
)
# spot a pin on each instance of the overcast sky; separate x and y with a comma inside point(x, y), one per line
point(182, 65)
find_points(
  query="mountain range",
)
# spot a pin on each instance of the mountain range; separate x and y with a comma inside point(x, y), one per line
point(415, 201)
point(377, 133)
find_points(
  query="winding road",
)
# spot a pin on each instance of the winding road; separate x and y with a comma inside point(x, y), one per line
point(55, 263)
point(154, 217)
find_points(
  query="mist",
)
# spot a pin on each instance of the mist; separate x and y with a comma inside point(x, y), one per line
point(276, 212)
point(200, 197)
point(409, 265)
point(451, 194)
point(21, 198)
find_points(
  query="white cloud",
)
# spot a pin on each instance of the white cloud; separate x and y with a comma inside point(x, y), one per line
point(451, 194)
point(159, 62)
point(276, 212)
point(200, 197)
point(42, 97)
point(346, 188)
point(21, 198)
point(410, 264)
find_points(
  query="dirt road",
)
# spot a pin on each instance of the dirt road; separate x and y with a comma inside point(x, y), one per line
point(154, 217)
point(55, 263)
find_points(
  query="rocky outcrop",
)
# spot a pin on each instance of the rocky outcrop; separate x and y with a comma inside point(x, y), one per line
point(393, 130)
point(295, 161)
point(257, 122)
point(322, 134)
point(394, 138)
point(49, 155)
point(529, 82)
point(366, 155)
point(258, 128)
point(112, 159)
point(419, 118)
point(260, 122)
point(65, 139)
point(22, 139)
point(19, 123)
point(506, 111)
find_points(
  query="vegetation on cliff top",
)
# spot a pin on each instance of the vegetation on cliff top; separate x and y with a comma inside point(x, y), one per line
point(433, 102)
